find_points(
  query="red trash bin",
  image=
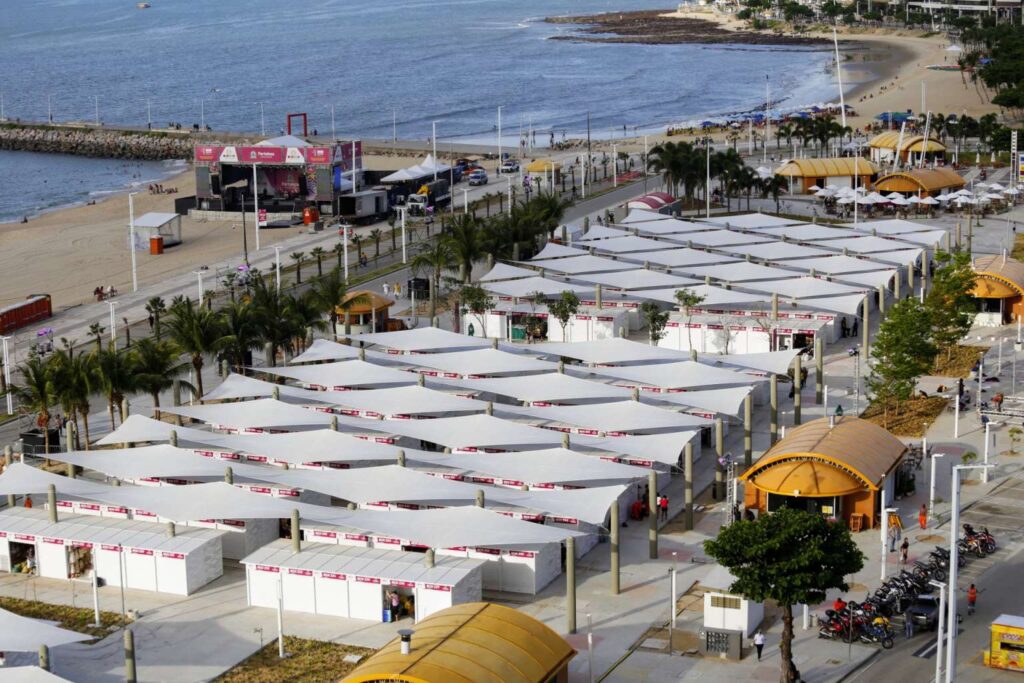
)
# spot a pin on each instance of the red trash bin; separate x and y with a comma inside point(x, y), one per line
point(156, 245)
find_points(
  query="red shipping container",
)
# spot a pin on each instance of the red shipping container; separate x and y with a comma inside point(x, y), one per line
point(32, 310)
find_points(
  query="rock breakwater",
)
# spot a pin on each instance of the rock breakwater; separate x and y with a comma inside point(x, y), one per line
point(96, 142)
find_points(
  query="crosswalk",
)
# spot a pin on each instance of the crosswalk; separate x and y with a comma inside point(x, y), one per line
point(928, 649)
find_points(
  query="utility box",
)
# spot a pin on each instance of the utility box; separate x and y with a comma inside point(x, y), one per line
point(720, 642)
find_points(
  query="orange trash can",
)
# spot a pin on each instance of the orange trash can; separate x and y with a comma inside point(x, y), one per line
point(156, 245)
point(307, 216)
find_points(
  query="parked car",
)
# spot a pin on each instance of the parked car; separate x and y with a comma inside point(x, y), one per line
point(925, 613)
point(478, 177)
point(509, 166)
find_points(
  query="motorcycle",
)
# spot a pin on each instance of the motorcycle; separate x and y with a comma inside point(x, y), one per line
point(878, 631)
point(987, 540)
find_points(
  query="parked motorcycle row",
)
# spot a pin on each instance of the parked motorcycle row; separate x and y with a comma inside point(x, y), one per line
point(868, 621)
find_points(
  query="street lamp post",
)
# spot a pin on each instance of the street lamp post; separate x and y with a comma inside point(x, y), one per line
point(113, 321)
point(615, 165)
point(499, 142)
point(954, 558)
point(199, 280)
point(465, 201)
point(885, 533)
point(707, 180)
point(931, 488)
point(277, 267)
point(405, 258)
point(263, 126)
point(7, 375)
point(131, 239)
point(988, 442)
point(433, 139)
point(939, 629)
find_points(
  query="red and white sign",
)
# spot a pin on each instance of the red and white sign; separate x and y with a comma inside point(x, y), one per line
point(54, 541)
point(300, 572)
point(367, 579)
point(402, 584)
point(141, 551)
point(437, 587)
point(173, 556)
point(332, 575)
point(24, 537)
point(267, 568)
point(112, 548)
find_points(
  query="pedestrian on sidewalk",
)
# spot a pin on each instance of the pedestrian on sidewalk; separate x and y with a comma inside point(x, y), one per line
point(908, 624)
point(663, 508)
point(892, 538)
point(759, 643)
point(904, 549)
point(387, 289)
point(922, 516)
point(972, 598)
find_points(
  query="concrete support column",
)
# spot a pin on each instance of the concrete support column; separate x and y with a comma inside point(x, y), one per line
point(176, 398)
point(881, 302)
point(613, 532)
point(719, 454)
point(401, 458)
point(652, 503)
point(172, 438)
point(773, 399)
point(797, 387)
point(570, 584)
point(688, 485)
point(296, 532)
point(819, 369)
point(130, 675)
point(8, 455)
point(44, 658)
point(864, 348)
point(51, 503)
point(748, 430)
point(480, 498)
point(229, 476)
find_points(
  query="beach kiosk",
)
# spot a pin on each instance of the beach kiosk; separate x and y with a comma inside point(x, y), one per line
point(998, 288)
point(921, 182)
point(1006, 650)
point(803, 174)
point(154, 231)
point(369, 315)
point(471, 643)
point(894, 145)
point(353, 582)
point(144, 554)
point(838, 467)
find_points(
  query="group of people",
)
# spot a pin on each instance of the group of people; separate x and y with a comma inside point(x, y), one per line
point(390, 289)
point(155, 188)
point(397, 605)
point(101, 293)
point(641, 508)
point(848, 330)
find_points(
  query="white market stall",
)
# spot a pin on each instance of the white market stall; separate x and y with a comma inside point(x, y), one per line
point(353, 582)
point(146, 555)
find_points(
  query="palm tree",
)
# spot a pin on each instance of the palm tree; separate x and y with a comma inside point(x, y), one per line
point(434, 260)
point(376, 235)
point(273, 321)
point(339, 251)
point(35, 394)
point(465, 241)
point(156, 308)
point(297, 257)
point(114, 377)
point(197, 331)
point(318, 253)
point(157, 365)
point(327, 295)
point(307, 316)
point(96, 331)
point(666, 159)
point(73, 377)
point(773, 185)
point(240, 334)
point(783, 131)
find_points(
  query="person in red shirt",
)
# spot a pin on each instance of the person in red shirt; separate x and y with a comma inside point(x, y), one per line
point(972, 598)
point(839, 605)
point(663, 507)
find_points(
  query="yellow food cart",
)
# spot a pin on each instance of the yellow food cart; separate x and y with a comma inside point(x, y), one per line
point(1007, 647)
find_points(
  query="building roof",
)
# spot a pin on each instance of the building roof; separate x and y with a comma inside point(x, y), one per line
point(926, 179)
point(542, 166)
point(155, 219)
point(818, 168)
point(911, 143)
point(1006, 271)
point(371, 301)
point(818, 460)
point(471, 643)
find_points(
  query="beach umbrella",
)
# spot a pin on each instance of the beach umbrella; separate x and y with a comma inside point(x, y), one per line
point(830, 186)
point(993, 195)
point(930, 201)
point(996, 187)
point(945, 197)
point(914, 200)
point(894, 195)
point(1012, 191)
point(899, 201)
point(954, 48)
point(981, 184)
point(964, 193)
point(844, 200)
point(865, 201)
point(813, 188)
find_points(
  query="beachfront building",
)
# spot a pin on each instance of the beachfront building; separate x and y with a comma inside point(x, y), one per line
point(844, 468)
point(998, 290)
point(894, 146)
point(920, 182)
point(369, 313)
point(804, 174)
point(471, 643)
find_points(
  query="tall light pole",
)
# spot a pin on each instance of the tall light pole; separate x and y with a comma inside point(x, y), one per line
point(255, 207)
point(96, 101)
point(344, 246)
point(263, 124)
point(465, 200)
point(940, 628)
point(7, 375)
point(885, 532)
point(113, 321)
point(277, 267)
point(931, 488)
point(131, 239)
point(707, 180)
point(149, 113)
point(433, 140)
point(954, 558)
point(202, 114)
point(199, 279)
point(615, 165)
point(499, 141)
point(49, 109)
point(509, 179)
point(405, 256)
point(334, 135)
point(988, 442)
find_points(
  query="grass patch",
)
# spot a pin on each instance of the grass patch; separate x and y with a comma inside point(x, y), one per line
point(1018, 247)
point(311, 661)
point(912, 418)
point(959, 362)
point(74, 618)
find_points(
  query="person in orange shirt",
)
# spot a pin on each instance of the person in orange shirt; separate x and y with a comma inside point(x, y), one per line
point(922, 516)
point(28, 501)
point(972, 598)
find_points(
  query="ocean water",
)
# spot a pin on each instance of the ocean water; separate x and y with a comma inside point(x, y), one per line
point(375, 61)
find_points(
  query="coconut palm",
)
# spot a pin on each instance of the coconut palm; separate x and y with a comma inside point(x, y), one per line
point(297, 257)
point(241, 336)
point(307, 316)
point(339, 251)
point(774, 186)
point(667, 159)
point(73, 377)
point(157, 365)
point(434, 259)
point(96, 332)
point(156, 308)
point(36, 395)
point(114, 378)
point(273, 321)
point(328, 294)
point(376, 236)
point(465, 241)
point(319, 253)
point(198, 332)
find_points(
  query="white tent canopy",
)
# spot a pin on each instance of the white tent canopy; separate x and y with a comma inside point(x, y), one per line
point(725, 401)
point(22, 634)
point(325, 349)
point(625, 245)
point(529, 286)
point(413, 400)
point(155, 461)
point(21, 479)
point(683, 375)
point(546, 466)
point(601, 232)
point(809, 232)
point(553, 387)
point(240, 386)
point(642, 215)
point(141, 429)
point(749, 221)
point(582, 264)
point(555, 250)
point(503, 271)
point(769, 362)
point(662, 448)
point(669, 226)
point(848, 304)
point(839, 264)
point(262, 413)
point(640, 278)
point(742, 271)
point(874, 279)
point(611, 351)
point(865, 244)
point(711, 296)
point(804, 287)
point(615, 416)
point(889, 227)
point(681, 257)
point(350, 373)
point(720, 238)
point(483, 362)
point(474, 431)
point(421, 339)
point(777, 251)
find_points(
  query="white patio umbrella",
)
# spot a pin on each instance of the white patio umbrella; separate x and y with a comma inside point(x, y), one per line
point(994, 195)
point(931, 201)
point(844, 200)
point(914, 200)
point(815, 188)
point(832, 187)
point(945, 197)
point(866, 201)
point(1013, 191)
point(899, 201)
point(954, 48)
point(894, 195)
point(996, 187)
point(964, 193)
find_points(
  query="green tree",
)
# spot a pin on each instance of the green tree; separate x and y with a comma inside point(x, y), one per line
point(297, 256)
point(157, 365)
point(240, 334)
point(789, 556)
point(156, 308)
point(436, 258)
point(376, 236)
point(36, 394)
point(949, 301)
point(96, 332)
point(196, 331)
point(901, 353)
point(564, 308)
point(115, 378)
point(273, 320)
point(74, 381)
point(318, 253)
point(774, 186)
point(339, 251)
point(688, 300)
point(656, 319)
point(477, 301)
point(1015, 434)
point(329, 293)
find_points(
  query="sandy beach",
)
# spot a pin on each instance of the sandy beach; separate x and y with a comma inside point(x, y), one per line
point(68, 252)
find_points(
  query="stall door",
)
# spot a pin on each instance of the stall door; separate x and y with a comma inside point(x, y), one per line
point(366, 599)
point(519, 571)
point(331, 594)
point(140, 569)
point(262, 580)
point(432, 597)
point(52, 558)
point(108, 564)
point(299, 590)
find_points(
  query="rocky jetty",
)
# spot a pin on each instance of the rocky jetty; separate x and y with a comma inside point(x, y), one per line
point(96, 142)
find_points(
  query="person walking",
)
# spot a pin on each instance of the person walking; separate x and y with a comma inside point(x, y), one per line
point(904, 549)
point(908, 624)
point(972, 598)
point(394, 606)
point(892, 538)
point(387, 289)
point(922, 516)
point(759, 643)
point(663, 508)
